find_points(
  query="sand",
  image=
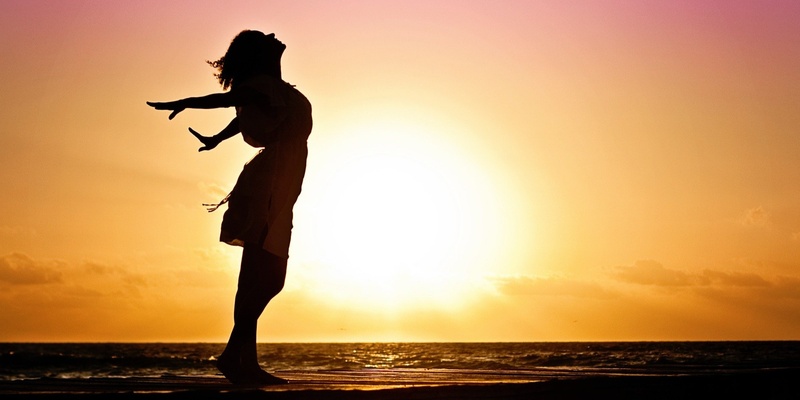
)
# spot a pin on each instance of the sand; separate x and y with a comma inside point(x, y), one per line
point(410, 384)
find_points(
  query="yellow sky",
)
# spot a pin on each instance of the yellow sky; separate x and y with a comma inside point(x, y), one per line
point(478, 171)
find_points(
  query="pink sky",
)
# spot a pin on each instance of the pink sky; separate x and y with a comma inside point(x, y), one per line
point(478, 171)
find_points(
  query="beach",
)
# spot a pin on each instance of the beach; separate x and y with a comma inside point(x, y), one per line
point(536, 370)
point(386, 384)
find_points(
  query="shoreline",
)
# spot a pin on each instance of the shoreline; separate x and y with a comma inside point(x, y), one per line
point(751, 384)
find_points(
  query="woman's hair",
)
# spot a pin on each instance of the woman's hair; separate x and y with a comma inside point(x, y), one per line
point(250, 53)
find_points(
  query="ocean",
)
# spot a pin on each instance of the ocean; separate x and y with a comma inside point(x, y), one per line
point(21, 361)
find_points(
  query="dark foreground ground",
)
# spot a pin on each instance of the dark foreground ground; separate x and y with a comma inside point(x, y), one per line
point(773, 384)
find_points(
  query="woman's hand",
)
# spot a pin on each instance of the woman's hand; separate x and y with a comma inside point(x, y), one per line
point(175, 106)
point(209, 142)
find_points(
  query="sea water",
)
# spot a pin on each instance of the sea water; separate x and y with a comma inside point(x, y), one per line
point(87, 360)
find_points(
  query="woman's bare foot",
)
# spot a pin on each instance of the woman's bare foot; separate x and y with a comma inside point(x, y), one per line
point(232, 369)
point(237, 374)
point(265, 378)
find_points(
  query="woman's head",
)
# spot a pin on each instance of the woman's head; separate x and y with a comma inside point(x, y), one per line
point(250, 53)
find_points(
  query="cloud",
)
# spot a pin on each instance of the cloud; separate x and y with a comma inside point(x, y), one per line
point(213, 189)
point(649, 272)
point(735, 279)
point(92, 268)
point(526, 286)
point(20, 269)
point(756, 217)
point(787, 287)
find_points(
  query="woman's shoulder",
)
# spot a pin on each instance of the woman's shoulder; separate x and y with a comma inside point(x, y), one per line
point(263, 81)
point(263, 88)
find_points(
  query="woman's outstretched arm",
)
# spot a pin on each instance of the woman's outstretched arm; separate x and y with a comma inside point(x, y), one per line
point(209, 142)
point(233, 98)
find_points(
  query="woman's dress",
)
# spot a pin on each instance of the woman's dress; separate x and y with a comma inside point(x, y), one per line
point(260, 204)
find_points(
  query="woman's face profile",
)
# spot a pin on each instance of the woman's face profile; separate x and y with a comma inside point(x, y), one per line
point(274, 45)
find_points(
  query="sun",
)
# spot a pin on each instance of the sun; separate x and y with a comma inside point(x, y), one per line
point(396, 216)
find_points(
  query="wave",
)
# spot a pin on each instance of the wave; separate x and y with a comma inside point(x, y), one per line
point(85, 360)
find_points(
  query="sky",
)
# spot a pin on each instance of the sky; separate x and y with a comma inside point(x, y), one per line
point(477, 171)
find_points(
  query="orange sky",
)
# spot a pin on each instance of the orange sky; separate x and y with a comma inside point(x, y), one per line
point(478, 171)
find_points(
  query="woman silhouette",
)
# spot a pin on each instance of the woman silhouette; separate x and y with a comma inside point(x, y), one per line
point(272, 115)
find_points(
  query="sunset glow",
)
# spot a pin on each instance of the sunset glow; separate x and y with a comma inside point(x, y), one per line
point(406, 219)
point(531, 171)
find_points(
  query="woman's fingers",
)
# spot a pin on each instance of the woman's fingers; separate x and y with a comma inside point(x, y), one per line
point(174, 113)
point(166, 106)
point(160, 105)
point(208, 142)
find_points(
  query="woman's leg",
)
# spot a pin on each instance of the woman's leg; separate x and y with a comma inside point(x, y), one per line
point(261, 277)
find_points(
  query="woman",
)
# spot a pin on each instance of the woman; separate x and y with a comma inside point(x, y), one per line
point(271, 114)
